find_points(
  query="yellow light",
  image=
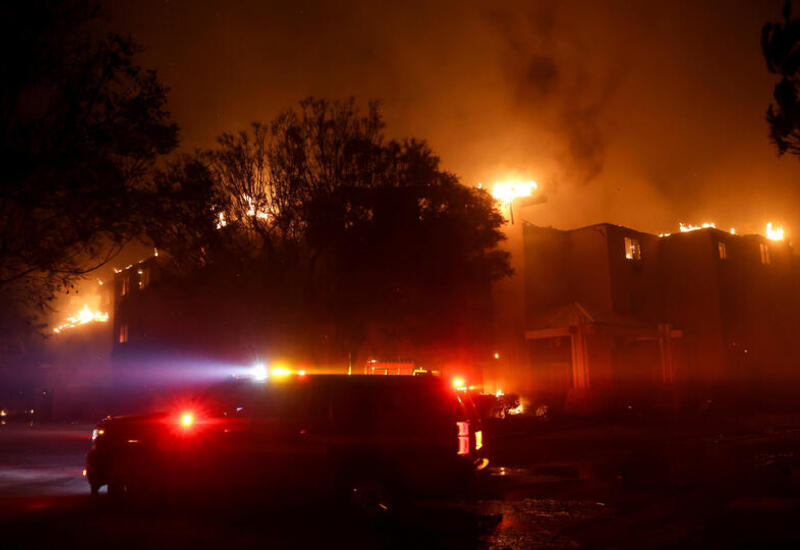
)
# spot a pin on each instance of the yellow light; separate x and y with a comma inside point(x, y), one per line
point(499, 393)
point(187, 419)
point(478, 439)
point(775, 232)
point(496, 355)
point(301, 372)
point(281, 371)
point(3, 413)
point(83, 473)
point(459, 384)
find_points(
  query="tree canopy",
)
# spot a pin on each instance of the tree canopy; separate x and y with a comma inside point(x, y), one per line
point(81, 125)
point(328, 237)
point(780, 43)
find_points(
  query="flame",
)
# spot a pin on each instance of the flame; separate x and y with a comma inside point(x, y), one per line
point(83, 317)
point(507, 191)
point(686, 227)
point(251, 210)
point(775, 232)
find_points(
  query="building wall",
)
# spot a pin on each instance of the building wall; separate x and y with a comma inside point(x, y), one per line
point(732, 316)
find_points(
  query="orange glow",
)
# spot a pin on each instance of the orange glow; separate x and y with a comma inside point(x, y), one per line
point(83, 317)
point(507, 191)
point(281, 371)
point(775, 232)
point(301, 373)
point(187, 419)
point(459, 383)
point(84, 472)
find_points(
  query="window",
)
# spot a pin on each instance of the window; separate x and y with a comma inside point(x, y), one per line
point(765, 258)
point(632, 249)
point(123, 333)
point(124, 287)
point(144, 277)
point(722, 250)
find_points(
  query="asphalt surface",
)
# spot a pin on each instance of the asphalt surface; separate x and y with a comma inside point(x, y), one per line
point(635, 483)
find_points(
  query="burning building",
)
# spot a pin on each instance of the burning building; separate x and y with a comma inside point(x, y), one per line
point(611, 313)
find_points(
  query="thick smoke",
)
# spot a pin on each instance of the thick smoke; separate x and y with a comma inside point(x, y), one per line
point(551, 85)
point(660, 105)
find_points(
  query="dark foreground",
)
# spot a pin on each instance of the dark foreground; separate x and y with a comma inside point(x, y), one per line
point(710, 481)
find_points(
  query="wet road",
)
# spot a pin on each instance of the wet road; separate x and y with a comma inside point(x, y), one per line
point(601, 485)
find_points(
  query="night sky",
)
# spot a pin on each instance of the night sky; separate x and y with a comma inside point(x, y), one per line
point(637, 113)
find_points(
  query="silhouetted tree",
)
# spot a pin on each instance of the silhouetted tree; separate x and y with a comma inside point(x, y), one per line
point(81, 124)
point(332, 238)
point(780, 43)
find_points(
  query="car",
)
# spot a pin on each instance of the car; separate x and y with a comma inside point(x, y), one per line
point(374, 439)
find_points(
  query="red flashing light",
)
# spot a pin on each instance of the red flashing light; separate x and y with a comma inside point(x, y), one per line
point(187, 420)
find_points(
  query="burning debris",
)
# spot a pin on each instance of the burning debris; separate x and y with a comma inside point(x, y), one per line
point(82, 317)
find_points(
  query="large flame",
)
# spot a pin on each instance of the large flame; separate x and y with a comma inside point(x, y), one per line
point(775, 232)
point(83, 317)
point(507, 191)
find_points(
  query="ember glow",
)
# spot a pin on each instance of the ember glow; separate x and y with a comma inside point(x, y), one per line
point(775, 232)
point(83, 317)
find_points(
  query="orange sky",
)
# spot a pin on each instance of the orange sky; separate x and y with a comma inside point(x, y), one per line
point(637, 113)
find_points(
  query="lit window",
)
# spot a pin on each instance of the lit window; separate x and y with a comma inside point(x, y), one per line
point(722, 250)
point(765, 258)
point(633, 251)
point(124, 288)
point(123, 334)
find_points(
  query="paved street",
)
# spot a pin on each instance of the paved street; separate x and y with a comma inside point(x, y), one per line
point(621, 485)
